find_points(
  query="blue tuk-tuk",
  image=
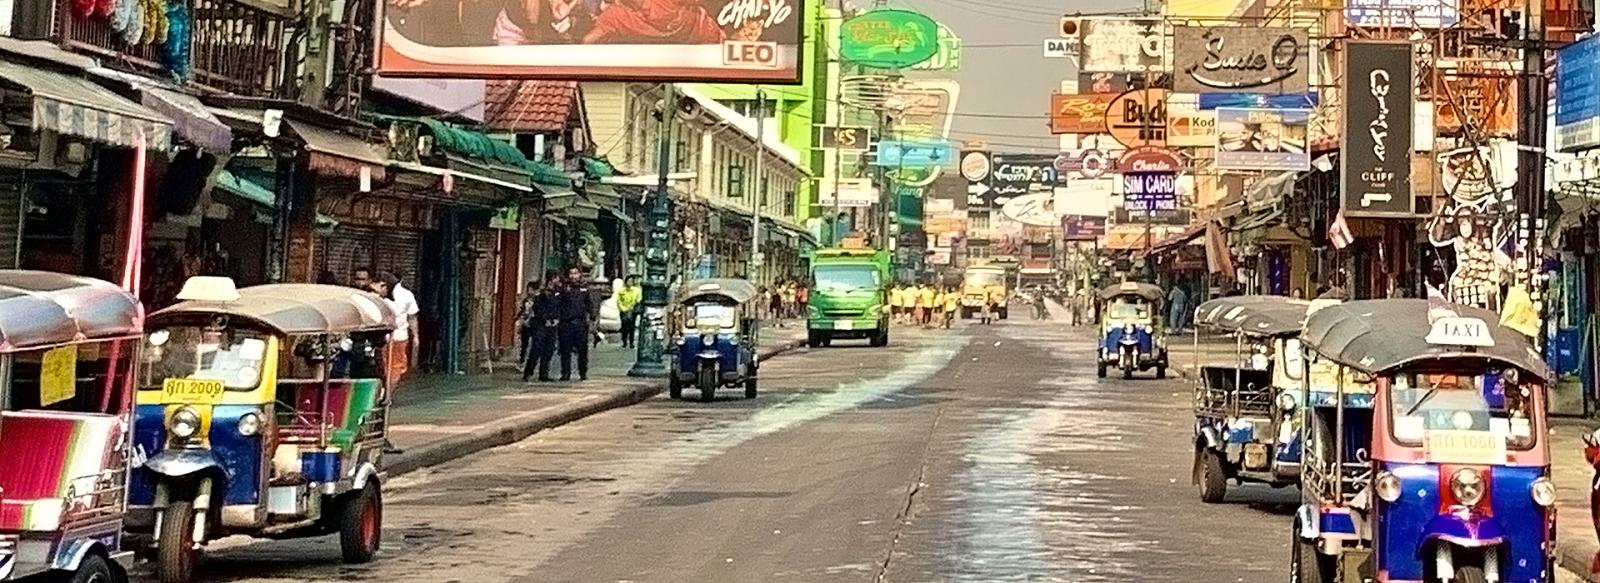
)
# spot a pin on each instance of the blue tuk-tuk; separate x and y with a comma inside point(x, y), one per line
point(716, 344)
point(1246, 405)
point(1131, 333)
point(1426, 456)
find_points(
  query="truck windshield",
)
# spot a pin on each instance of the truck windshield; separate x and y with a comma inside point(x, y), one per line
point(1429, 407)
point(846, 278)
point(187, 352)
point(984, 278)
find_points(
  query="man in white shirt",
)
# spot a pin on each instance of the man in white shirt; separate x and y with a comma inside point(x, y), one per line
point(404, 303)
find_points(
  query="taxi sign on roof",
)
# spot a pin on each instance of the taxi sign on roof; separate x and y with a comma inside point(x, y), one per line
point(709, 287)
point(1460, 331)
point(1130, 286)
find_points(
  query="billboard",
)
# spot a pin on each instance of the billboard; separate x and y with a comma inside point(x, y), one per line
point(1082, 227)
point(1138, 118)
point(1375, 174)
point(853, 192)
point(1187, 125)
point(728, 41)
point(1263, 139)
point(1078, 114)
point(1578, 95)
point(1240, 59)
point(1402, 13)
point(1118, 45)
point(887, 38)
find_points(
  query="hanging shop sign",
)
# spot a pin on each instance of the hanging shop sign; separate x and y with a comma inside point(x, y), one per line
point(1307, 100)
point(1187, 125)
point(923, 107)
point(947, 56)
point(913, 176)
point(1578, 95)
point(1402, 14)
point(915, 153)
point(1138, 118)
point(1079, 114)
point(853, 192)
point(1115, 83)
point(975, 165)
point(740, 41)
point(1082, 227)
point(1148, 159)
point(1034, 210)
point(1060, 48)
point(1116, 45)
point(1150, 191)
point(1264, 139)
point(888, 39)
point(1240, 59)
point(854, 139)
point(1376, 145)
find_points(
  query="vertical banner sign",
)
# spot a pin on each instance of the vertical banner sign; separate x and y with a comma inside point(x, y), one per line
point(1376, 149)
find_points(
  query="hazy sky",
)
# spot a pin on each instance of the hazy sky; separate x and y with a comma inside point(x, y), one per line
point(1005, 79)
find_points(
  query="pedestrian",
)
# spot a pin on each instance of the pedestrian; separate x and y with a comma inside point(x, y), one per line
point(576, 324)
point(628, 306)
point(405, 339)
point(1040, 312)
point(928, 301)
point(897, 303)
point(775, 301)
point(1297, 293)
point(525, 321)
point(361, 278)
point(788, 294)
point(1177, 307)
point(546, 320)
point(802, 297)
point(952, 304)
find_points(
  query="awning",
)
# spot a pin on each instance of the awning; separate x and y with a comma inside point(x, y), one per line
point(1187, 236)
point(620, 216)
point(456, 173)
point(338, 153)
point(191, 119)
point(248, 189)
point(604, 195)
point(77, 106)
point(583, 209)
point(551, 191)
point(557, 219)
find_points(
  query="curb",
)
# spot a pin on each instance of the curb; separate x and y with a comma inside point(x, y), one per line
point(509, 432)
point(1578, 558)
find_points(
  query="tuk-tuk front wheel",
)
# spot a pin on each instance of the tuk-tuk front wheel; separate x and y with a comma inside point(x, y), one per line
point(750, 386)
point(1210, 476)
point(177, 554)
point(1161, 371)
point(1469, 574)
point(361, 525)
point(674, 387)
point(95, 569)
point(1101, 370)
point(706, 381)
point(1306, 565)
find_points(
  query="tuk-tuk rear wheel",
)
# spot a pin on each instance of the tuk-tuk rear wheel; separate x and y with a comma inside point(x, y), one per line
point(1127, 373)
point(1213, 480)
point(1161, 371)
point(176, 552)
point(1469, 574)
point(750, 386)
point(1101, 372)
point(674, 387)
point(95, 569)
point(361, 525)
point(1306, 565)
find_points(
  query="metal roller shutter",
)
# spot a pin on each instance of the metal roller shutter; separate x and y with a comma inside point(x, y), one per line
point(10, 222)
point(352, 246)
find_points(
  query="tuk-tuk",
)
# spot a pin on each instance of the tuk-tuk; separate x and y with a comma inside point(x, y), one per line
point(1246, 420)
point(261, 411)
point(717, 338)
point(67, 348)
point(1131, 330)
point(1426, 456)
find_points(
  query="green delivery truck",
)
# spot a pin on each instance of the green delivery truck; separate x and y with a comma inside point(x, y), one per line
point(849, 296)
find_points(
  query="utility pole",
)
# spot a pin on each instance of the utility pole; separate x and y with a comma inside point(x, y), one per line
point(649, 363)
point(760, 197)
point(1530, 186)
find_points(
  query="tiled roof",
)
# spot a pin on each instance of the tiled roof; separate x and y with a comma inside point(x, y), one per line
point(529, 106)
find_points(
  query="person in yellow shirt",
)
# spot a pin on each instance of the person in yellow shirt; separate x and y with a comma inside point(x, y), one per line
point(928, 300)
point(952, 304)
point(897, 303)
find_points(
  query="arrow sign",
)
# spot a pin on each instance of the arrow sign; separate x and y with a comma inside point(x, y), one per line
point(978, 188)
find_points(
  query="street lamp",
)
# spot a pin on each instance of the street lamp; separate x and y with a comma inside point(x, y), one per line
point(649, 362)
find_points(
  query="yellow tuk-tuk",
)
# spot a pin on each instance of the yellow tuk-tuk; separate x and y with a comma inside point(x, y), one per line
point(261, 411)
point(67, 348)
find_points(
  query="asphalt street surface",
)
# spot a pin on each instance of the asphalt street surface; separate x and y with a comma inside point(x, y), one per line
point(981, 454)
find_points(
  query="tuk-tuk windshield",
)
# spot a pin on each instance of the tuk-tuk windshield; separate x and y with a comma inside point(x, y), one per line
point(1125, 308)
point(846, 278)
point(233, 356)
point(706, 315)
point(1492, 403)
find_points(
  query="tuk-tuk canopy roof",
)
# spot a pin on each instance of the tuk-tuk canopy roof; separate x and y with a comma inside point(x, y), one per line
point(738, 290)
point(1377, 336)
point(1254, 315)
point(1132, 288)
point(40, 308)
point(298, 308)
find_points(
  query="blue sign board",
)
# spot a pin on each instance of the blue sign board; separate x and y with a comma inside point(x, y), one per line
point(1305, 100)
point(916, 154)
point(1578, 95)
point(1149, 191)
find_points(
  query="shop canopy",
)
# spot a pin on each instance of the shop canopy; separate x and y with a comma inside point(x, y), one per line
point(75, 106)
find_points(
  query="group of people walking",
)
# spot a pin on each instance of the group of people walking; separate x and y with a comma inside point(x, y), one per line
point(559, 314)
point(787, 300)
point(925, 305)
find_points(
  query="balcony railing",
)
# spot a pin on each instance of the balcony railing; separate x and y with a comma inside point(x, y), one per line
point(234, 47)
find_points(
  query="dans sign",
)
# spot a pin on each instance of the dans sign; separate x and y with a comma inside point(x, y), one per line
point(1236, 59)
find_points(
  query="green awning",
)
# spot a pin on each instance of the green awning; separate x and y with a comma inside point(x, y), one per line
point(247, 189)
point(598, 167)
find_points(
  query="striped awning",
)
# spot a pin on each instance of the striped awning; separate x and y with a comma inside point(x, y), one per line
point(76, 106)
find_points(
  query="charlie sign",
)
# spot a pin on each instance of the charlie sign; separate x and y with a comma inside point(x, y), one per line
point(1241, 60)
point(1378, 96)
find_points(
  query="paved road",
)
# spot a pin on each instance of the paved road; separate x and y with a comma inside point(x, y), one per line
point(983, 454)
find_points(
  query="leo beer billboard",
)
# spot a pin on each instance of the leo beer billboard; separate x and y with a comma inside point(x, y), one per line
point(738, 41)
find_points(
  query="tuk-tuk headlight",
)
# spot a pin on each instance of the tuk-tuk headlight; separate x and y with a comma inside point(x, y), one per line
point(1127, 328)
point(1286, 402)
point(249, 424)
point(1386, 486)
point(708, 338)
point(1544, 492)
point(1467, 485)
point(184, 423)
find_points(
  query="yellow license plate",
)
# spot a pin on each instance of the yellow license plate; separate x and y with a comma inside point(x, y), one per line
point(191, 391)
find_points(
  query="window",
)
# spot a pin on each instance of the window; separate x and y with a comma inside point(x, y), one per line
point(192, 352)
point(1448, 405)
point(980, 221)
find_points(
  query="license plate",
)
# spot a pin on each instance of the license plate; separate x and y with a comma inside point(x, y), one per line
point(191, 391)
point(844, 325)
point(1465, 447)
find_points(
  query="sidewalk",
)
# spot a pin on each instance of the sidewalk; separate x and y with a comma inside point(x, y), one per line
point(438, 417)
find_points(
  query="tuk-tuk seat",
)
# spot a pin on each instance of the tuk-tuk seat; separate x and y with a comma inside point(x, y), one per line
point(363, 397)
point(308, 417)
point(48, 456)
